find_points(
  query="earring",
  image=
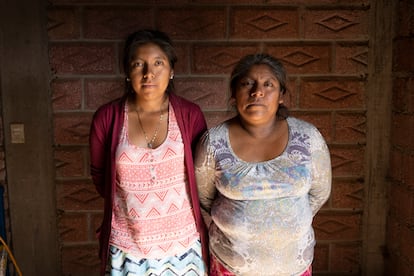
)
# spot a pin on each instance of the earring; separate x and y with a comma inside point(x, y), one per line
point(172, 76)
point(128, 79)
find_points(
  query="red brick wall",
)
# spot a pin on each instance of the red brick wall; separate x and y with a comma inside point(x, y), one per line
point(324, 46)
point(400, 226)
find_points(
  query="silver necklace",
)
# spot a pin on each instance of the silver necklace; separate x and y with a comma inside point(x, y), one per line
point(150, 143)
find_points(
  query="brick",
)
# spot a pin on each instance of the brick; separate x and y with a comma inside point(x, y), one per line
point(317, 2)
point(347, 194)
point(209, 59)
point(346, 258)
point(63, 23)
point(96, 221)
point(72, 129)
point(407, 171)
point(303, 58)
point(210, 93)
point(321, 120)
point(228, 2)
point(351, 59)
point(70, 162)
point(350, 128)
point(336, 24)
point(264, 23)
point(183, 60)
point(347, 161)
point(196, 23)
point(73, 227)
point(79, 194)
point(80, 260)
point(402, 55)
point(116, 22)
point(290, 98)
point(338, 226)
point(100, 91)
point(405, 20)
point(321, 258)
point(215, 117)
point(332, 94)
point(393, 234)
point(407, 246)
point(402, 204)
point(66, 94)
point(403, 95)
point(402, 133)
point(85, 58)
point(395, 170)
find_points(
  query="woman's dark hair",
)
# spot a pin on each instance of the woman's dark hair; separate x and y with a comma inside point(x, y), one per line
point(146, 36)
point(243, 67)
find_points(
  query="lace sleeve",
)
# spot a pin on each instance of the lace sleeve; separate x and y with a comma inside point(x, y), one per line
point(205, 176)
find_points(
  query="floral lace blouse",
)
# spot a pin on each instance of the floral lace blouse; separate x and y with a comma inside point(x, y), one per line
point(260, 213)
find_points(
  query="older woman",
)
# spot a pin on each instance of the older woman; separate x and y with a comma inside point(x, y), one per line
point(142, 165)
point(261, 177)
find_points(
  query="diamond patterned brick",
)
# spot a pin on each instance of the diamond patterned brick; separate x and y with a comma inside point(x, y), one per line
point(346, 257)
point(201, 23)
point(219, 59)
point(71, 129)
point(73, 227)
point(80, 260)
point(263, 23)
point(347, 194)
point(321, 258)
point(70, 162)
point(115, 22)
point(347, 161)
point(211, 94)
point(336, 24)
point(321, 120)
point(331, 94)
point(350, 127)
point(100, 91)
point(63, 23)
point(351, 59)
point(303, 58)
point(66, 94)
point(85, 58)
point(78, 195)
point(345, 226)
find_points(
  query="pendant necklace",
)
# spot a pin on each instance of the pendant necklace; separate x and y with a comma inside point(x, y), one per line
point(150, 143)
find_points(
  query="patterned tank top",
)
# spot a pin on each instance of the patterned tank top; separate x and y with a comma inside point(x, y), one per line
point(152, 215)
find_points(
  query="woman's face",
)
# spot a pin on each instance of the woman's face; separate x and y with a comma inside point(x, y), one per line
point(150, 71)
point(258, 95)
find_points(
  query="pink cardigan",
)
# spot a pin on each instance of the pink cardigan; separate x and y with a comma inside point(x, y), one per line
point(103, 140)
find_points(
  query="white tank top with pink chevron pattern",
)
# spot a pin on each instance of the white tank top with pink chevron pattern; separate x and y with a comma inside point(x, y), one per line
point(152, 215)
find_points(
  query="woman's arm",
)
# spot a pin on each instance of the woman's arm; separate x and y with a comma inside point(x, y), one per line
point(205, 176)
point(97, 146)
point(321, 174)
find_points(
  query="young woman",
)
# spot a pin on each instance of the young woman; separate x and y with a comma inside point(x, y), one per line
point(142, 165)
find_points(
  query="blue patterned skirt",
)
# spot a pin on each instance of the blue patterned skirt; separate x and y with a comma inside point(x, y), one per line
point(189, 263)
